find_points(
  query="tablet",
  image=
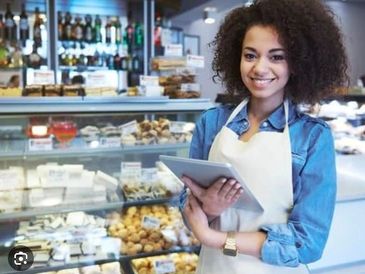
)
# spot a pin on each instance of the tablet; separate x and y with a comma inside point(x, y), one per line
point(206, 172)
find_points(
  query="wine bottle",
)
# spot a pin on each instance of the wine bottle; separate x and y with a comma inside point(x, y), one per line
point(118, 31)
point(60, 26)
point(97, 29)
point(23, 26)
point(108, 31)
point(88, 31)
point(34, 59)
point(77, 31)
point(10, 26)
point(37, 28)
point(67, 28)
point(2, 29)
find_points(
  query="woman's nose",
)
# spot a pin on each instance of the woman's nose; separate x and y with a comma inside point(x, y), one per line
point(261, 66)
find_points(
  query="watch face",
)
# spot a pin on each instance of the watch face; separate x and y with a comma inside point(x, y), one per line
point(230, 252)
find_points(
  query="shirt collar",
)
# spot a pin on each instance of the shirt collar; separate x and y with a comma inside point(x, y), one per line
point(276, 119)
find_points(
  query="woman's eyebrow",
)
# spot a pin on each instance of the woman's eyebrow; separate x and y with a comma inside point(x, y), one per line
point(271, 50)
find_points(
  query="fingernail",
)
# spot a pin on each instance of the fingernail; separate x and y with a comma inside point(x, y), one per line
point(241, 190)
point(224, 180)
point(232, 182)
point(237, 186)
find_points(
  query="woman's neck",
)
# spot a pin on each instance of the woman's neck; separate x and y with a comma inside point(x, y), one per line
point(259, 109)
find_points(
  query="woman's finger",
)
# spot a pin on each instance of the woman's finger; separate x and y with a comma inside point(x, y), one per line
point(194, 187)
point(228, 189)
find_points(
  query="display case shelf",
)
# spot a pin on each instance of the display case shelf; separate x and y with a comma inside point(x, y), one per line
point(125, 259)
point(19, 148)
point(87, 207)
point(37, 105)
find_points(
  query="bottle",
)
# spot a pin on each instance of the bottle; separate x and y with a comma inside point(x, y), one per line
point(77, 30)
point(117, 61)
point(136, 64)
point(10, 26)
point(88, 30)
point(129, 36)
point(138, 35)
point(60, 26)
point(37, 28)
point(108, 31)
point(4, 55)
point(97, 29)
point(2, 29)
point(34, 59)
point(157, 31)
point(124, 63)
point(23, 26)
point(17, 58)
point(118, 31)
point(67, 28)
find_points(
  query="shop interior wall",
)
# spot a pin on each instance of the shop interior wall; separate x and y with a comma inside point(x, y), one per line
point(350, 16)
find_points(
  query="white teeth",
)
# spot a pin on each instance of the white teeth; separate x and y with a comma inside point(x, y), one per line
point(262, 81)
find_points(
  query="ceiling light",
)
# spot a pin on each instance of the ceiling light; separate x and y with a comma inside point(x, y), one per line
point(209, 15)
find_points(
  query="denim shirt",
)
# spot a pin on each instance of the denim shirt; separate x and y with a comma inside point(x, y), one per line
point(303, 238)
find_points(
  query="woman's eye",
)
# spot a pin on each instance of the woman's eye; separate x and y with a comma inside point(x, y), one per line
point(249, 56)
point(278, 57)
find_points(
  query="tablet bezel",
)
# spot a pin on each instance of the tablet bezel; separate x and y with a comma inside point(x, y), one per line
point(207, 172)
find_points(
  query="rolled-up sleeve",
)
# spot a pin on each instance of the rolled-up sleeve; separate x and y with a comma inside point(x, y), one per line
point(303, 238)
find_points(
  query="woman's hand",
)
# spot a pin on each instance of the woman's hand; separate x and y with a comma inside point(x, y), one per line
point(195, 216)
point(216, 198)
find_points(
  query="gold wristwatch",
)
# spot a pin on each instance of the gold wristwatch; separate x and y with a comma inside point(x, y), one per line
point(230, 246)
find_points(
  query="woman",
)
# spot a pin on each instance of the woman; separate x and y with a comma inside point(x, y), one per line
point(271, 56)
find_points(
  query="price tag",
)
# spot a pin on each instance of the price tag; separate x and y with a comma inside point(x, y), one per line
point(174, 50)
point(99, 79)
point(147, 80)
point(9, 179)
point(43, 77)
point(40, 144)
point(131, 170)
point(128, 128)
point(150, 222)
point(190, 87)
point(110, 142)
point(164, 266)
point(181, 127)
point(57, 176)
point(149, 175)
point(195, 61)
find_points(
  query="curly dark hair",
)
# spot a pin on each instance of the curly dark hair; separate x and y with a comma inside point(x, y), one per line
point(308, 32)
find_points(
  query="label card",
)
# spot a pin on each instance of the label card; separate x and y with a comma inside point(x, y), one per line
point(190, 87)
point(150, 222)
point(149, 175)
point(173, 50)
point(196, 61)
point(131, 170)
point(43, 77)
point(110, 142)
point(40, 144)
point(147, 80)
point(128, 128)
point(57, 176)
point(164, 266)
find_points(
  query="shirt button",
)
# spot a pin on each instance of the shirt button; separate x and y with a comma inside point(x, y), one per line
point(265, 124)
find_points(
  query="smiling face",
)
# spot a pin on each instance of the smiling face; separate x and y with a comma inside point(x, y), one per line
point(264, 67)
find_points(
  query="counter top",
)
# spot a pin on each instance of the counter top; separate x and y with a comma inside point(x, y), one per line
point(350, 177)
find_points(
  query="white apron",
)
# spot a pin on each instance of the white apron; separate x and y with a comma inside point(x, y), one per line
point(264, 162)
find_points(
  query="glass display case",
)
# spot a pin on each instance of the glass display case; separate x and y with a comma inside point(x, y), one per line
point(82, 187)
